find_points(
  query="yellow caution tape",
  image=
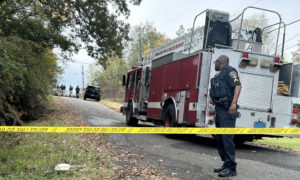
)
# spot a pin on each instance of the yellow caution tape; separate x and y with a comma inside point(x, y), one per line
point(149, 130)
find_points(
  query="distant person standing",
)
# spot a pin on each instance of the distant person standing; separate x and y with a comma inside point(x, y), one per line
point(57, 90)
point(77, 91)
point(70, 91)
point(61, 90)
point(65, 94)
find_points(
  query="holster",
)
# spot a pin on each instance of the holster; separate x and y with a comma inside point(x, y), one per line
point(224, 102)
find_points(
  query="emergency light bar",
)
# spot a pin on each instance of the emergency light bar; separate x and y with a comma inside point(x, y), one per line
point(265, 63)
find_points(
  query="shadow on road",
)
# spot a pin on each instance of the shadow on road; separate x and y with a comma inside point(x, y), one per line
point(210, 142)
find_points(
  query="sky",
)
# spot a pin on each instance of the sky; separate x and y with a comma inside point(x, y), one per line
point(168, 15)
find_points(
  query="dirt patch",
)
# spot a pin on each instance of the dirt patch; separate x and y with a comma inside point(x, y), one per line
point(112, 105)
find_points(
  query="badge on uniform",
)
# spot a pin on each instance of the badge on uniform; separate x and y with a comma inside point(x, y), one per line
point(233, 74)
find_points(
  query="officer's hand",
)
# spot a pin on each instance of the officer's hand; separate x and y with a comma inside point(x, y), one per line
point(232, 108)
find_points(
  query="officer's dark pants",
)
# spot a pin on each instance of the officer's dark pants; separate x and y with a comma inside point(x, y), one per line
point(225, 144)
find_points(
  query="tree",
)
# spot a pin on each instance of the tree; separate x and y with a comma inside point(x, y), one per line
point(30, 29)
point(94, 72)
point(180, 31)
point(27, 71)
point(110, 79)
point(150, 39)
point(61, 22)
point(296, 55)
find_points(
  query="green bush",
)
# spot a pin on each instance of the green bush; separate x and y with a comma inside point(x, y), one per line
point(27, 71)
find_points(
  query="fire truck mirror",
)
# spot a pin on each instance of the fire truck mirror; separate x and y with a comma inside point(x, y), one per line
point(124, 79)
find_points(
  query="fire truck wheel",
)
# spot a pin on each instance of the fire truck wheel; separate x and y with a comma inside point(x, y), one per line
point(130, 120)
point(169, 116)
point(169, 119)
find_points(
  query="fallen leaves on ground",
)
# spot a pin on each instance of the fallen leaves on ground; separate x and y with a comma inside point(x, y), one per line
point(112, 157)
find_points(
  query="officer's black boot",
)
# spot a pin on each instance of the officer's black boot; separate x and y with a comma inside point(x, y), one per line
point(227, 173)
point(218, 169)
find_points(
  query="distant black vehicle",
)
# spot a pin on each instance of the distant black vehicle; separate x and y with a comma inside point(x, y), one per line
point(93, 92)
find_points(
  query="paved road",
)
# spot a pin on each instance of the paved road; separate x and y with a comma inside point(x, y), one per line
point(192, 158)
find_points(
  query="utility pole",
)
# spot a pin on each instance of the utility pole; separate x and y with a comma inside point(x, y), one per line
point(140, 44)
point(82, 73)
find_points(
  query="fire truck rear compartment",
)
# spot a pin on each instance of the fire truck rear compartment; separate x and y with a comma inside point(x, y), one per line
point(257, 92)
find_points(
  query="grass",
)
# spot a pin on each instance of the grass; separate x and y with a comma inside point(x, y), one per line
point(34, 155)
point(285, 142)
point(113, 105)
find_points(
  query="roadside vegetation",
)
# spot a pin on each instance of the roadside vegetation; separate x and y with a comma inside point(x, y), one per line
point(34, 155)
point(29, 32)
point(285, 143)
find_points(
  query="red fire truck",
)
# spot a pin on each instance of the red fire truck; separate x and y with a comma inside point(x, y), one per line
point(171, 88)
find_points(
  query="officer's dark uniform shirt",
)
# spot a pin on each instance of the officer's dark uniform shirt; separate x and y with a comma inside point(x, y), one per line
point(224, 82)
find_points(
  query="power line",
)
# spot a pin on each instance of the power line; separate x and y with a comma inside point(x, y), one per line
point(285, 26)
point(292, 46)
point(195, 11)
point(242, 13)
point(290, 39)
point(79, 62)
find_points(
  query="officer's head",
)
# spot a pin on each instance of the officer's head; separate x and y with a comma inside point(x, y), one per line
point(221, 62)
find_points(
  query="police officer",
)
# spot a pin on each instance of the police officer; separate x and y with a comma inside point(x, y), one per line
point(225, 90)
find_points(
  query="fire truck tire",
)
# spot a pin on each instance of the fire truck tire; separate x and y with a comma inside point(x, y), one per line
point(169, 116)
point(169, 119)
point(130, 120)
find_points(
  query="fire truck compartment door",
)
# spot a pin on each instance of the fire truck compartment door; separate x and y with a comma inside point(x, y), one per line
point(256, 91)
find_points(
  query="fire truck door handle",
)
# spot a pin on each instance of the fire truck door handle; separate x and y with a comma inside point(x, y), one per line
point(187, 95)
